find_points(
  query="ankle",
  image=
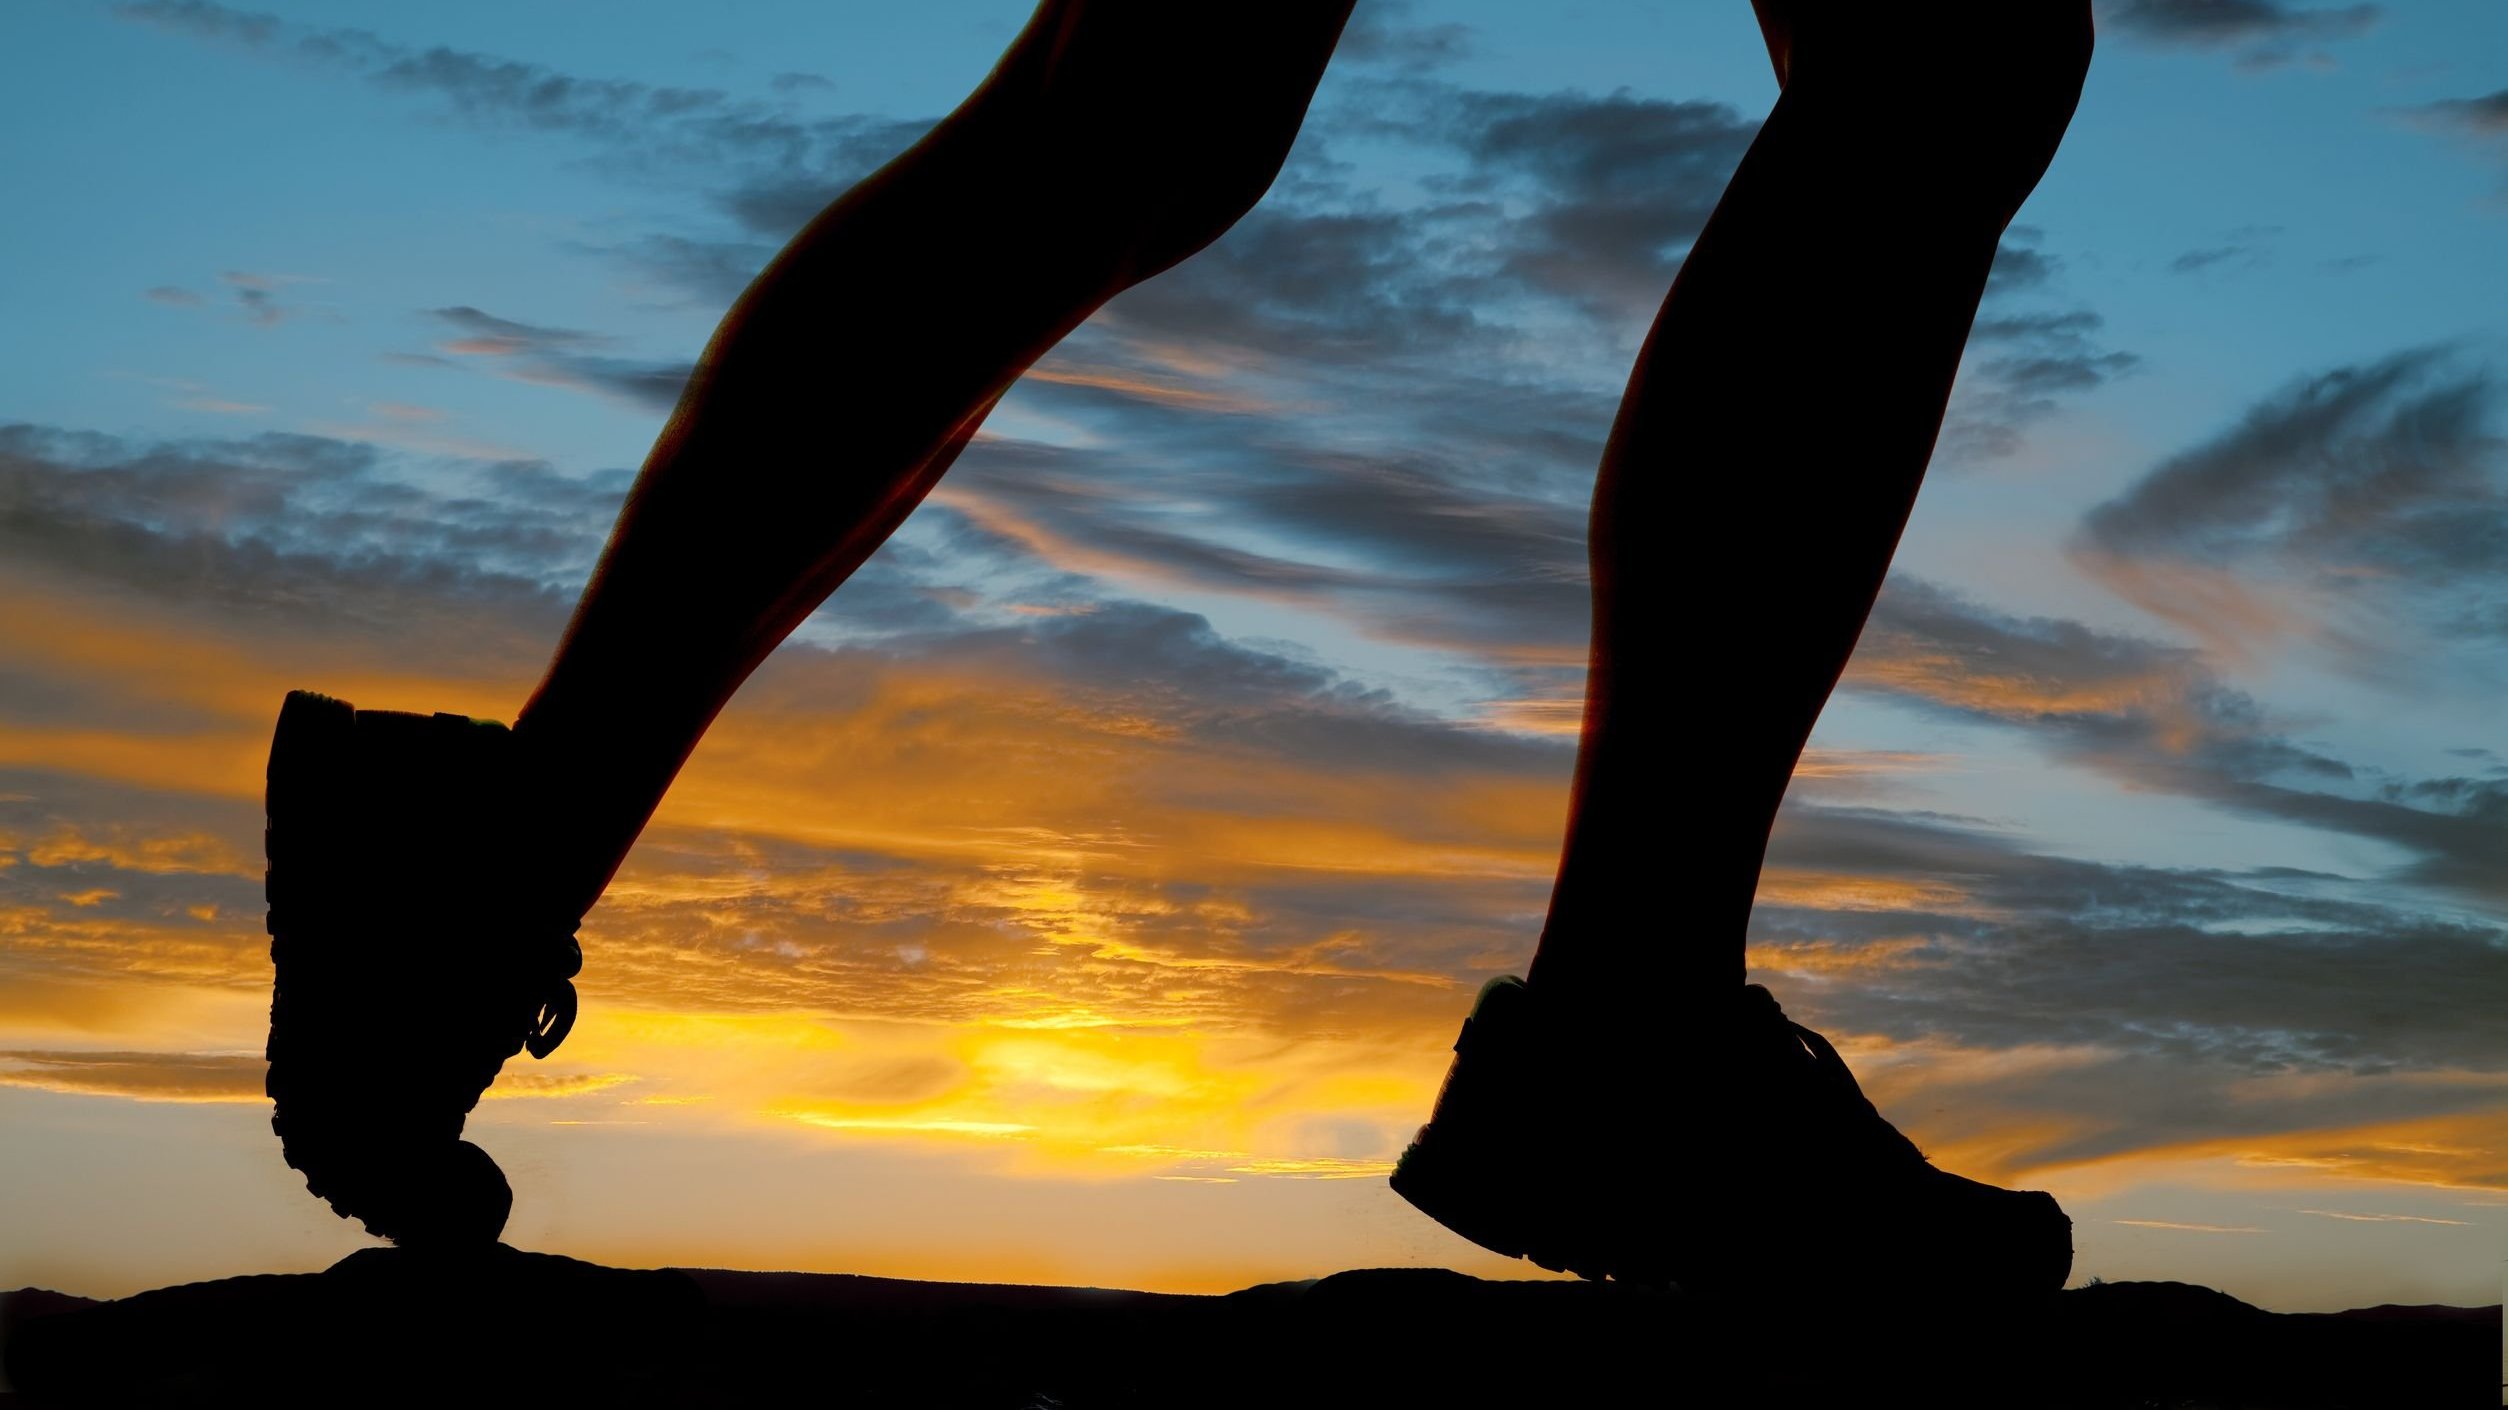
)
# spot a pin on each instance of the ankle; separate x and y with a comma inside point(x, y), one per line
point(1979, 89)
point(1975, 46)
point(583, 821)
point(1640, 1014)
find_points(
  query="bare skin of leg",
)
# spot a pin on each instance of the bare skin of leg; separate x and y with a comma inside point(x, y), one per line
point(1115, 138)
point(1765, 458)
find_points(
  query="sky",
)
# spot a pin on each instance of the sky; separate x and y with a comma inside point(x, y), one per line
point(1090, 891)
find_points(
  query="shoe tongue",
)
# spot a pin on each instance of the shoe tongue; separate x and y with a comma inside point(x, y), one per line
point(1761, 1029)
point(1759, 1016)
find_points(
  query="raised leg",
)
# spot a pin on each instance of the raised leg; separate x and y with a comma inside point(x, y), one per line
point(1115, 138)
point(427, 872)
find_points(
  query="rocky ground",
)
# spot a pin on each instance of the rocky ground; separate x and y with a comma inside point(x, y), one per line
point(386, 1326)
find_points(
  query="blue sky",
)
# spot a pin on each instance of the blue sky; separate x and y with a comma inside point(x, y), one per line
point(2152, 853)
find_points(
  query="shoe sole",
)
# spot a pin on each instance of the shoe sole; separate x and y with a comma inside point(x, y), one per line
point(1465, 1206)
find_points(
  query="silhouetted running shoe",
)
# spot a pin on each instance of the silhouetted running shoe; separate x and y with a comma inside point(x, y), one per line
point(1745, 1162)
point(412, 960)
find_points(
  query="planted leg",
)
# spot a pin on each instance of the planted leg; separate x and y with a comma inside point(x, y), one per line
point(1766, 455)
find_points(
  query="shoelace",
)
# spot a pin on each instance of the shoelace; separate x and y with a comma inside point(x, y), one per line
point(1838, 1082)
point(555, 1017)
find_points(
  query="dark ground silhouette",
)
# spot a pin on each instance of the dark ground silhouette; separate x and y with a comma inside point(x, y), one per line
point(390, 1325)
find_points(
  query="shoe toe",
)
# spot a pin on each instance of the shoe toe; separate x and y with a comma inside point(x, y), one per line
point(1970, 1236)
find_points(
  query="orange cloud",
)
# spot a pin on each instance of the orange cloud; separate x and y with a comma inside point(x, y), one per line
point(132, 847)
point(1843, 891)
point(147, 1077)
point(2216, 607)
point(1164, 390)
point(1959, 682)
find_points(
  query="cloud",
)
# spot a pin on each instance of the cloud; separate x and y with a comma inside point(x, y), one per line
point(153, 1077)
point(1396, 543)
point(770, 165)
point(561, 357)
point(205, 20)
point(1385, 32)
point(2019, 1011)
point(2244, 248)
point(2345, 506)
point(1613, 186)
point(711, 271)
point(303, 531)
point(2262, 33)
point(258, 295)
point(2017, 368)
point(1998, 947)
point(2197, 261)
point(2481, 122)
point(2019, 264)
point(2386, 1218)
point(652, 387)
point(2156, 717)
point(221, 1077)
point(2485, 116)
point(1319, 288)
point(486, 335)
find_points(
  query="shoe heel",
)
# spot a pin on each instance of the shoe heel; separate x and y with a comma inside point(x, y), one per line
point(309, 757)
point(1496, 1007)
point(311, 738)
point(1461, 1170)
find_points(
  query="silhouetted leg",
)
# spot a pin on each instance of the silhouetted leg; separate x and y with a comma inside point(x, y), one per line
point(1115, 138)
point(1635, 1110)
point(1762, 466)
point(427, 872)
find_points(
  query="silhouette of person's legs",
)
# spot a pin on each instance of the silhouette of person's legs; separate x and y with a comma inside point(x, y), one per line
point(427, 872)
point(1763, 463)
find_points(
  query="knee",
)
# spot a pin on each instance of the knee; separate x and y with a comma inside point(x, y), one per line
point(1122, 111)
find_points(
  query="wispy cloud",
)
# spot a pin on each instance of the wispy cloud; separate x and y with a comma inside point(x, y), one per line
point(2387, 1218)
point(561, 357)
point(2352, 504)
point(2260, 33)
point(258, 295)
point(220, 1077)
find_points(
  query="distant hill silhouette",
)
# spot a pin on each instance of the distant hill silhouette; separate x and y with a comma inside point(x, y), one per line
point(386, 1325)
